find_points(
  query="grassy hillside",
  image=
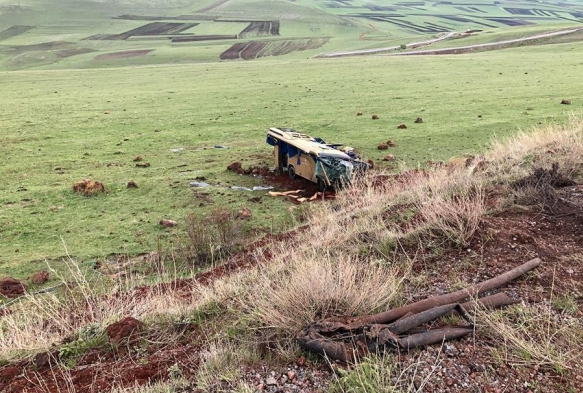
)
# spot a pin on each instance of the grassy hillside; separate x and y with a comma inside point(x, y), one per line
point(63, 126)
point(82, 34)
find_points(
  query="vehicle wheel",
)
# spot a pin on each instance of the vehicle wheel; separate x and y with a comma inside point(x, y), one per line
point(322, 185)
point(291, 172)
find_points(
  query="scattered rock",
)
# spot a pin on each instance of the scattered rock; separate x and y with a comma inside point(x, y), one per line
point(244, 213)
point(40, 277)
point(143, 164)
point(358, 113)
point(138, 158)
point(199, 184)
point(132, 184)
point(88, 187)
point(126, 329)
point(402, 126)
point(301, 361)
point(389, 157)
point(11, 287)
point(566, 102)
point(45, 360)
point(391, 143)
point(375, 117)
point(382, 146)
point(270, 381)
point(168, 223)
point(480, 116)
point(419, 120)
point(106, 112)
point(221, 147)
point(236, 167)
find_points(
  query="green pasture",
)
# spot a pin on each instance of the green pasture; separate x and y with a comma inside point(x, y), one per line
point(61, 126)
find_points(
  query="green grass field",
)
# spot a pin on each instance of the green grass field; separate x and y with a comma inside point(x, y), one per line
point(66, 114)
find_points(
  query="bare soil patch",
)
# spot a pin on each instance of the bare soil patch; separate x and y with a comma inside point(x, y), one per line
point(191, 38)
point(151, 29)
point(123, 55)
point(260, 29)
point(256, 49)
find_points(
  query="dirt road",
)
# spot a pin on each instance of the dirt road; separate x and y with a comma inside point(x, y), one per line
point(453, 50)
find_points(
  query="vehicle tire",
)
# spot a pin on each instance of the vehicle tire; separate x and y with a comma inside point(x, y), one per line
point(322, 185)
point(291, 172)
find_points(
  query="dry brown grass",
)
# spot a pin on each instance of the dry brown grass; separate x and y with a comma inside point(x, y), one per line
point(343, 263)
point(311, 288)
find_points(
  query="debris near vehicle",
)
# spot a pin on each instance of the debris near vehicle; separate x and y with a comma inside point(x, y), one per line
point(88, 187)
point(313, 159)
point(348, 338)
point(295, 197)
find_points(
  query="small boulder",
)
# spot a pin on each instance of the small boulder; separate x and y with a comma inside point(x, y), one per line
point(40, 277)
point(11, 287)
point(402, 126)
point(419, 120)
point(125, 330)
point(236, 167)
point(132, 184)
point(138, 158)
point(391, 143)
point(566, 102)
point(143, 164)
point(480, 116)
point(88, 187)
point(389, 157)
point(168, 223)
point(375, 117)
point(244, 214)
point(358, 113)
point(382, 146)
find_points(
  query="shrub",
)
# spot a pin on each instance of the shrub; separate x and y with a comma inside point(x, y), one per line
point(213, 238)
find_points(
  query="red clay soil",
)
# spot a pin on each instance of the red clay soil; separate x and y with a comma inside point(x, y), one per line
point(100, 370)
point(504, 241)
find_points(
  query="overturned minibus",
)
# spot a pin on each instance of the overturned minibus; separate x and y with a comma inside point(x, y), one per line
point(312, 159)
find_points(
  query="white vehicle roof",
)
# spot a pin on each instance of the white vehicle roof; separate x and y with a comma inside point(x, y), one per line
point(306, 143)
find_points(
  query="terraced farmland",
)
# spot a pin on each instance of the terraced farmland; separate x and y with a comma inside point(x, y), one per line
point(187, 32)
